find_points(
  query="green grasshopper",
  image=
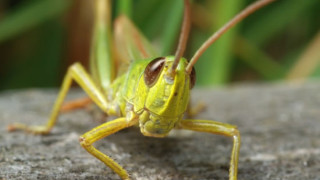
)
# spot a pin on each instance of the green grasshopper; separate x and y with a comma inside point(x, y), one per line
point(153, 93)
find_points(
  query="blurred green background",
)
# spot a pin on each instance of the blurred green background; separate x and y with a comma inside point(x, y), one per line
point(39, 39)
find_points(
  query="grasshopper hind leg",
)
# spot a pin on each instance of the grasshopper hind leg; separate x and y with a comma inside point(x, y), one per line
point(75, 104)
point(77, 73)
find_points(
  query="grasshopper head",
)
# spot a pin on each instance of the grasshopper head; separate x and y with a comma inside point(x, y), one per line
point(168, 87)
point(166, 98)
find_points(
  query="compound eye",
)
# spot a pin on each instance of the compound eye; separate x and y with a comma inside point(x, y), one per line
point(153, 70)
point(192, 78)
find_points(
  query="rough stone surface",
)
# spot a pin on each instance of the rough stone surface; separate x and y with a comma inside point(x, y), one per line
point(279, 125)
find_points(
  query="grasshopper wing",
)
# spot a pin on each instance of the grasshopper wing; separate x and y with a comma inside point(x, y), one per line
point(130, 43)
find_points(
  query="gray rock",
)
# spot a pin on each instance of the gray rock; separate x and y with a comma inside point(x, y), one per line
point(279, 125)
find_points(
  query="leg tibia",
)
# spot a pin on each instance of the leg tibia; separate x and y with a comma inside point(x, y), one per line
point(218, 128)
point(108, 128)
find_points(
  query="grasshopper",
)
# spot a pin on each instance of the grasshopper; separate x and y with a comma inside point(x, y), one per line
point(153, 93)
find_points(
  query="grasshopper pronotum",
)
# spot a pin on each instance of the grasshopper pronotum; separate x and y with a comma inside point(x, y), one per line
point(153, 93)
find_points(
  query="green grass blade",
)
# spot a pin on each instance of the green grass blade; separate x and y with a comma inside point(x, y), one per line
point(308, 60)
point(172, 27)
point(144, 11)
point(26, 17)
point(216, 62)
point(258, 60)
point(270, 21)
point(124, 7)
point(153, 24)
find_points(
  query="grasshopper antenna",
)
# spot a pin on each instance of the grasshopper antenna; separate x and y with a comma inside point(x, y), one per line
point(182, 40)
point(243, 14)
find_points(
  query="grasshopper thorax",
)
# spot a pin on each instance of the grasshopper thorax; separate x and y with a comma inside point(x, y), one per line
point(163, 100)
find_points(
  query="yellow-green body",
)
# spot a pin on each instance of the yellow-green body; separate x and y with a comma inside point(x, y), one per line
point(158, 107)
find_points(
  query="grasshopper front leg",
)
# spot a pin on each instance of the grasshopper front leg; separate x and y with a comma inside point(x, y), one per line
point(75, 72)
point(106, 129)
point(218, 128)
